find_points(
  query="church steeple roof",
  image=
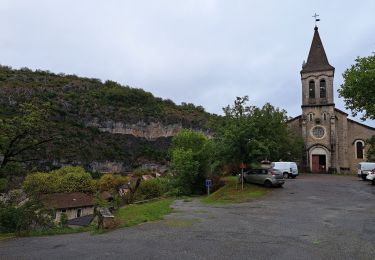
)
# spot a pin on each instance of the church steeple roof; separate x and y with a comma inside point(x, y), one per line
point(317, 59)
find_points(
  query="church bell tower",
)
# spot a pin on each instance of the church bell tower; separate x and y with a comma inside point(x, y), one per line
point(318, 109)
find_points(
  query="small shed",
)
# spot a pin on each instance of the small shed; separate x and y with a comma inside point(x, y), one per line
point(105, 218)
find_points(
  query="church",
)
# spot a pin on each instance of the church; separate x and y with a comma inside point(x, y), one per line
point(332, 141)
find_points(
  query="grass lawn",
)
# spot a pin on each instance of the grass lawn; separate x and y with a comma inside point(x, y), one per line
point(128, 216)
point(231, 192)
point(49, 232)
point(140, 213)
point(4, 236)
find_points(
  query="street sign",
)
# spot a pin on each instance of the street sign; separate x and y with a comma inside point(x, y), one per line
point(208, 183)
point(242, 166)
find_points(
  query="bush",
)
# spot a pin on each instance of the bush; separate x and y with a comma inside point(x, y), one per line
point(66, 179)
point(22, 219)
point(3, 184)
point(63, 219)
point(186, 170)
point(152, 188)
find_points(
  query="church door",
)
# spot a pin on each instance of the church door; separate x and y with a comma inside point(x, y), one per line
point(315, 163)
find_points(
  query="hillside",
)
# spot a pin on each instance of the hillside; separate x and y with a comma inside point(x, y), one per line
point(103, 126)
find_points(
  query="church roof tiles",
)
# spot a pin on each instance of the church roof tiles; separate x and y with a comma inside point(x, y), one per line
point(317, 59)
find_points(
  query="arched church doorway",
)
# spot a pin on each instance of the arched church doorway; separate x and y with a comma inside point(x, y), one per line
point(319, 159)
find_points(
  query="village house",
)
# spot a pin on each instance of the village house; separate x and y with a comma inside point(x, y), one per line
point(78, 207)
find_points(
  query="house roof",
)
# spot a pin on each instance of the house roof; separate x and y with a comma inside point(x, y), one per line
point(317, 59)
point(81, 221)
point(67, 200)
point(106, 195)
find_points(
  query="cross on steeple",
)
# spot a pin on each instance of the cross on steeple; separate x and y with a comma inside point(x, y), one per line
point(315, 17)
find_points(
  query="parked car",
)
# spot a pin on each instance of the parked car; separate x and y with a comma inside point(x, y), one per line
point(289, 169)
point(365, 168)
point(267, 177)
point(371, 176)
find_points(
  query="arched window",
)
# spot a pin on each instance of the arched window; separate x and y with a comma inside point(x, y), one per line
point(324, 116)
point(311, 117)
point(359, 146)
point(323, 92)
point(311, 89)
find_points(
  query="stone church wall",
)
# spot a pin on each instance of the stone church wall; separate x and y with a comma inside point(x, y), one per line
point(357, 131)
point(295, 125)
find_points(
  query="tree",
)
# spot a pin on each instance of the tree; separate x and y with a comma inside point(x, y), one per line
point(186, 170)
point(23, 218)
point(358, 89)
point(371, 150)
point(65, 179)
point(111, 182)
point(248, 134)
point(24, 132)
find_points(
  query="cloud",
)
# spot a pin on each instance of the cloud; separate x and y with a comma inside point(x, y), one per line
point(204, 52)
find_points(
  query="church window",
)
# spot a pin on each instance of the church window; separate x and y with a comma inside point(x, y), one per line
point(311, 89)
point(318, 132)
point(323, 91)
point(324, 116)
point(311, 117)
point(359, 145)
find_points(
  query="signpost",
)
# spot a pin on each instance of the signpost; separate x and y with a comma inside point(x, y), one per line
point(208, 186)
point(242, 166)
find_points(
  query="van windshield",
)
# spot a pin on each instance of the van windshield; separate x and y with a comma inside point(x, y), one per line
point(368, 166)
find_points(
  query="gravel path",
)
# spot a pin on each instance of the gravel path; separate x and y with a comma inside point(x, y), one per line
point(312, 217)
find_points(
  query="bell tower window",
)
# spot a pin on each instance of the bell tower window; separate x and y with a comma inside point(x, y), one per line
point(311, 116)
point(323, 92)
point(311, 89)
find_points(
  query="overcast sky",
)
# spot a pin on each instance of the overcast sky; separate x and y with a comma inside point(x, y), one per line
point(205, 52)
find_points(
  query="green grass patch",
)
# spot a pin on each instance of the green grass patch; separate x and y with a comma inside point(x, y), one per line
point(136, 214)
point(4, 236)
point(50, 232)
point(231, 192)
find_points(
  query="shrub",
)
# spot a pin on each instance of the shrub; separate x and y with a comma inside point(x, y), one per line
point(152, 188)
point(23, 218)
point(66, 179)
point(111, 182)
point(63, 219)
point(3, 184)
point(186, 170)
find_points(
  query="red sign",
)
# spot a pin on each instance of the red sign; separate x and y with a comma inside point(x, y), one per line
point(242, 166)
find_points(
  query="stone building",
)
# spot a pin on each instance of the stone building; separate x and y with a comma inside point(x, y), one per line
point(76, 205)
point(332, 141)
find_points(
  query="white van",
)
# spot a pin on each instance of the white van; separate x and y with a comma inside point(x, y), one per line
point(289, 169)
point(365, 168)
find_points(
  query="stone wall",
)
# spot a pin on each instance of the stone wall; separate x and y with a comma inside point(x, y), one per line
point(72, 213)
point(357, 131)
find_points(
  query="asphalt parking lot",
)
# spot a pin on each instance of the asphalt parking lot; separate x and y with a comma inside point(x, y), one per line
point(312, 217)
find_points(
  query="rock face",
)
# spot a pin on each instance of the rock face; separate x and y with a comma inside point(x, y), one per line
point(109, 166)
point(149, 131)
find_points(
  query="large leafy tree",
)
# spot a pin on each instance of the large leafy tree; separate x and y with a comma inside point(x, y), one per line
point(65, 179)
point(248, 134)
point(24, 132)
point(190, 161)
point(358, 89)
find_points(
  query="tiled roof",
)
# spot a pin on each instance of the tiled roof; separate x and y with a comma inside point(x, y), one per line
point(106, 195)
point(81, 221)
point(317, 59)
point(67, 200)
